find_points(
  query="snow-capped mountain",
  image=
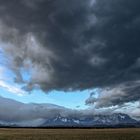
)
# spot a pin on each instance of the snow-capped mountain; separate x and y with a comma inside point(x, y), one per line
point(91, 121)
point(17, 114)
point(113, 120)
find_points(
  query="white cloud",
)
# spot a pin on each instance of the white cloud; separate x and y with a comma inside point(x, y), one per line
point(1, 71)
point(12, 89)
point(9, 87)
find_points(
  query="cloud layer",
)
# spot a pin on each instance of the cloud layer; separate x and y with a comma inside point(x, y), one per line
point(75, 45)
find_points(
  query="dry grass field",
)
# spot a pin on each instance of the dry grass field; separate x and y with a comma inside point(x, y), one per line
point(69, 134)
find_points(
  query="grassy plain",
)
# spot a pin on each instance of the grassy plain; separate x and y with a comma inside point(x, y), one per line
point(69, 134)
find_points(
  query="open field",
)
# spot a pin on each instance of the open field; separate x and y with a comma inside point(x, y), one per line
point(69, 134)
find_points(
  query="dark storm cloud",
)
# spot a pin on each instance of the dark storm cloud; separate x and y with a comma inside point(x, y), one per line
point(74, 45)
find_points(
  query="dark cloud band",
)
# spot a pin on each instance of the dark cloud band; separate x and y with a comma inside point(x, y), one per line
point(73, 45)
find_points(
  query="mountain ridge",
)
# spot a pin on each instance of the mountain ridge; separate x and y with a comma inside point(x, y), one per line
point(115, 119)
point(111, 120)
point(49, 115)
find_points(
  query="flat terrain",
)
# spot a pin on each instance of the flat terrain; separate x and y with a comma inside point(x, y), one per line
point(69, 134)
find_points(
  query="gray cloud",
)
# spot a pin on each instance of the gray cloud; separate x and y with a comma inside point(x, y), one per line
point(73, 45)
point(118, 95)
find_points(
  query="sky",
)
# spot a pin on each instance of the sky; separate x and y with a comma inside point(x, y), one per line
point(78, 55)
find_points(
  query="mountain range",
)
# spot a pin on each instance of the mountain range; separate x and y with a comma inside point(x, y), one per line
point(49, 115)
point(112, 120)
